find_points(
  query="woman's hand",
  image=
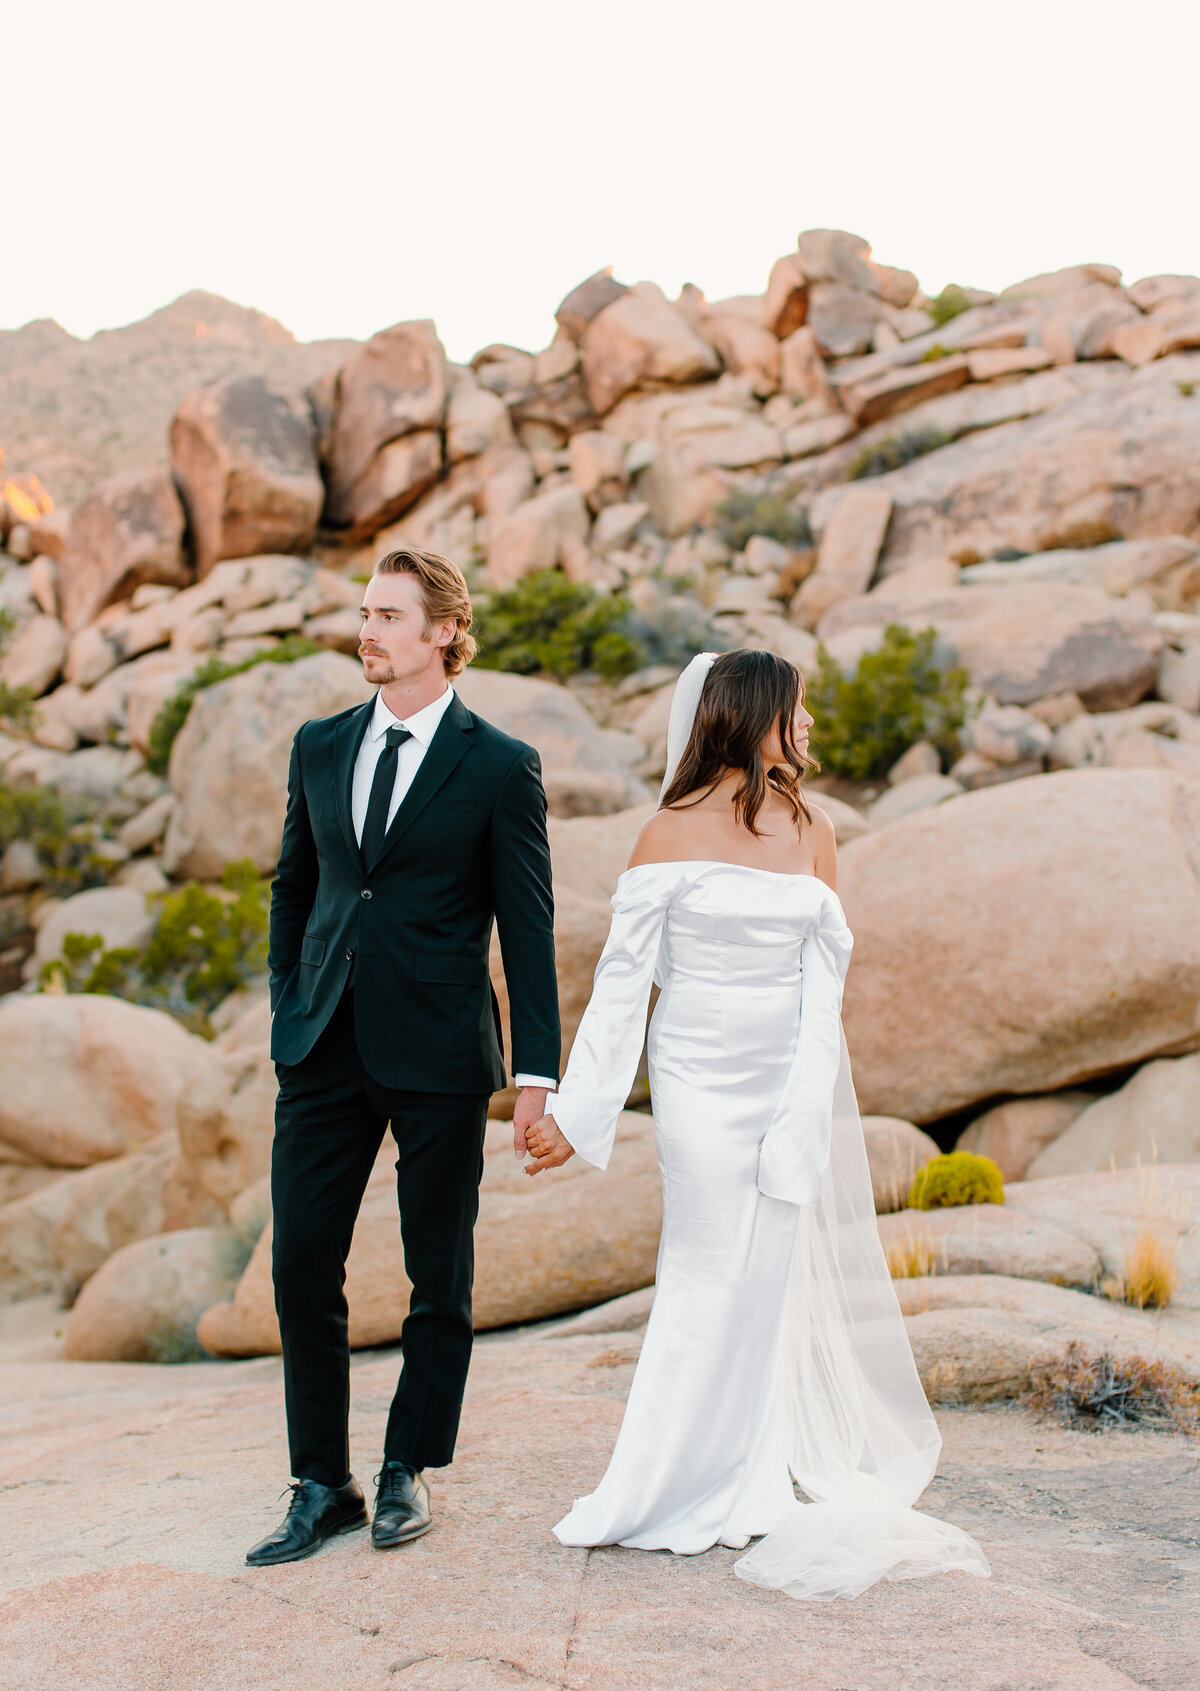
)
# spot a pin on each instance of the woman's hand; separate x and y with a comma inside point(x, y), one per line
point(546, 1145)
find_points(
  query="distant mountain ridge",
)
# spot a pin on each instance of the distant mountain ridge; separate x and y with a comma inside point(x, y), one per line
point(76, 411)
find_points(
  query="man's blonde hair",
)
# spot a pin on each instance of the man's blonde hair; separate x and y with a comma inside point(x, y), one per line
point(444, 594)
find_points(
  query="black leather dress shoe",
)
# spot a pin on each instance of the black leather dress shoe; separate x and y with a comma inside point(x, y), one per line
point(316, 1512)
point(402, 1509)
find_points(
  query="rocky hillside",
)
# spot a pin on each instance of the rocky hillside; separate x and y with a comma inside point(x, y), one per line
point(803, 470)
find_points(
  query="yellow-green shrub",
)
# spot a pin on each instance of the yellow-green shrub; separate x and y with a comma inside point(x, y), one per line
point(958, 1177)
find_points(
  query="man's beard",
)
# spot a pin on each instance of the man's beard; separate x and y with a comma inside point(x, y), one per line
point(383, 677)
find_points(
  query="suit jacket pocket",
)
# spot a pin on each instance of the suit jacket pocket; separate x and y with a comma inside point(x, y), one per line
point(312, 949)
point(450, 969)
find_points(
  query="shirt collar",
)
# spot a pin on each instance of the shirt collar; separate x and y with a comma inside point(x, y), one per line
point(422, 724)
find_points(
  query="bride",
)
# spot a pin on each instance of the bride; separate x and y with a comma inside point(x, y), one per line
point(775, 1349)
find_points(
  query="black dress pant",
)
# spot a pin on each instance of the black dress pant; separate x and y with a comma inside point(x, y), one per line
point(330, 1119)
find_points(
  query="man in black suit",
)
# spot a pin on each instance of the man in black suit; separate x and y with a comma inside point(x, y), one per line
point(411, 825)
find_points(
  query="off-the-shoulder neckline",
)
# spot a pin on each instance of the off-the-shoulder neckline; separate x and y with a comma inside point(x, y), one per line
point(724, 863)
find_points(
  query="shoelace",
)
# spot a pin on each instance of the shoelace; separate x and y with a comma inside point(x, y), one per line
point(389, 1483)
point(299, 1491)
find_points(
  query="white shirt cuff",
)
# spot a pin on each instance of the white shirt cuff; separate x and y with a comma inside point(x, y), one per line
point(535, 1080)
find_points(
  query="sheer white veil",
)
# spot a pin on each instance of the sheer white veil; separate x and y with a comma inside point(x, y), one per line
point(684, 703)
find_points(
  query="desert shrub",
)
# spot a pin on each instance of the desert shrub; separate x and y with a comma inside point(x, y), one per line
point(743, 514)
point(1096, 1391)
point(16, 703)
point(950, 303)
point(894, 452)
point(957, 1177)
point(204, 946)
point(934, 353)
point(59, 831)
point(172, 716)
point(897, 695)
point(547, 622)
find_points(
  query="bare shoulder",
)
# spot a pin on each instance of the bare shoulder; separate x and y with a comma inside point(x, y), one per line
point(823, 831)
point(824, 844)
point(662, 839)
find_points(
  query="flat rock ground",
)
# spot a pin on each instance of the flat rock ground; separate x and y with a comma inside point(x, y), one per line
point(130, 1494)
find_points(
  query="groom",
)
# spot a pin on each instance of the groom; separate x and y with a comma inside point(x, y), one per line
point(411, 825)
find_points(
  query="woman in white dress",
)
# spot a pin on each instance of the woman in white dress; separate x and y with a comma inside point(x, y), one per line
point(775, 1349)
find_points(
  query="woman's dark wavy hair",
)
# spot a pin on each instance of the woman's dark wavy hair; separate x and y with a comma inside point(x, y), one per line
point(746, 694)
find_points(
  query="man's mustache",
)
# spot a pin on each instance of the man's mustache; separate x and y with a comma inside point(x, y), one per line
point(371, 652)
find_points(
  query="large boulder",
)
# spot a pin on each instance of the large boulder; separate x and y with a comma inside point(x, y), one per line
point(383, 447)
point(118, 914)
point(129, 531)
point(587, 770)
point(992, 955)
point(895, 1151)
point(229, 763)
point(245, 462)
point(110, 1205)
point(542, 1247)
point(1154, 1117)
point(226, 1121)
point(84, 1077)
point(993, 1239)
point(638, 338)
point(144, 1303)
point(1014, 1133)
point(1019, 643)
point(28, 1260)
point(1122, 458)
point(542, 533)
point(36, 656)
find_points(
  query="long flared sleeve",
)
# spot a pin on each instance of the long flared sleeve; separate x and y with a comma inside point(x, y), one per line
point(794, 1153)
point(604, 1056)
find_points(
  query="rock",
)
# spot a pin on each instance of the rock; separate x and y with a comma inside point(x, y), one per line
point(540, 1249)
point(994, 1239)
point(589, 853)
point(18, 1180)
point(1006, 734)
point(817, 434)
point(128, 531)
point(883, 396)
point(144, 1303)
point(118, 915)
point(546, 531)
point(28, 1264)
point(802, 371)
point(842, 319)
point(1154, 1117)
point(244, 459)
point(746, 346)
point(679, 492)
point(91, 655)
point(587, 301)
point(835, 255)
point(110, 1206)
point(149, 825)
point(36, 656)
point(1110, 1208)
point(1124, 458)
point(636, 339)
point(1179, 676)
point(895, 1151)
point(848, 823)
point(616, 525)
point(1014, 1133)
point(20, 868)
point(917, 793)
point(618, 1315)
point(598, 467)
point(574, 752)
point(965, 902)
point(84, 1077)
point(229, 763)
point(785, 303)
point(919, 759)
point(226, 1121)
point(991, 362)
point(384, 447)
point(1160, 566)
point(43, 583)
point(154, 683)
point(853, 536)
point(1019, 643)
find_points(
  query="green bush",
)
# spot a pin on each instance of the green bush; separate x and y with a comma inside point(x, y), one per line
point(951, 302)
point(897, 695)
point(744, 514)
point(562, 627)
point(959, 1177)
point(935, 353)
point(16, 703)
point(204, 947)
point(172, 716)
point(893, 452)
point(59, 831)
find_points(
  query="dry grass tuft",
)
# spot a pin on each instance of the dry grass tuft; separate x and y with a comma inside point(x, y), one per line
point(1095, 1392)
point(914, 1255)
point(1151, 1276)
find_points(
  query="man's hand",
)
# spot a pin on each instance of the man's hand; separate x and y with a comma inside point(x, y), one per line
point(546, 1145)
point(530, 1107)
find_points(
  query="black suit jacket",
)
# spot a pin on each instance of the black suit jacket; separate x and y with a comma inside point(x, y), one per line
point(466, 846)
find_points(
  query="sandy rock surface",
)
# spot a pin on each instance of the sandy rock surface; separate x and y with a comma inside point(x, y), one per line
point(113, 1582)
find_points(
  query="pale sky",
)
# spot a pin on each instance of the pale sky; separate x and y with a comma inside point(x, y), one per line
point(344, 166)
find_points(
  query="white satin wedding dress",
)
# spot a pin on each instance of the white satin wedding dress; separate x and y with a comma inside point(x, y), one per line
point(775, 1347)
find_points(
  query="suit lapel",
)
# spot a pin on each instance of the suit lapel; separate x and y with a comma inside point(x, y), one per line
point(345, 753)
point(450, 744)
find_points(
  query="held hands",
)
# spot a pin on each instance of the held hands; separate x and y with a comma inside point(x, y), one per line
point(545, 1143)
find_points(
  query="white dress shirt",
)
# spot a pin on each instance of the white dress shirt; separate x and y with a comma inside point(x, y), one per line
point(422, 725)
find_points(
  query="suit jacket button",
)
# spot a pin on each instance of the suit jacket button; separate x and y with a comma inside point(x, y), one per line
point(367, 893)
point(349, 957)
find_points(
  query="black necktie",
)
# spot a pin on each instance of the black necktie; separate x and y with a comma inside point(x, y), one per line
point(382, 787)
